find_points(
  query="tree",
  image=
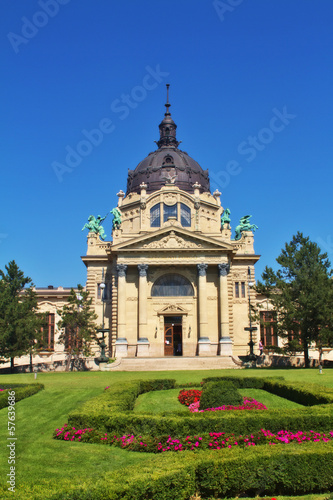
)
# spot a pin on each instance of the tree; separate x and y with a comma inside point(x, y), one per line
point(301, 292)
point(78, 324)
point(19, 321)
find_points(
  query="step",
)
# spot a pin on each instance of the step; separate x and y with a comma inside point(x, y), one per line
point(172, 363)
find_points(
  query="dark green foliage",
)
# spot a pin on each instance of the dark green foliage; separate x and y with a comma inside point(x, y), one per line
point(266, 470)
point(97, 411)
point(22, 391)
point(20, 324)
point(216, 394)
point(111, 412)
point(78, 323)
point(307, 395)
point(241, 382)
point(302, 294)
point(157, 385)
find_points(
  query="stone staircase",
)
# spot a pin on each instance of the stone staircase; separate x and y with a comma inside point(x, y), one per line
point(172, 363)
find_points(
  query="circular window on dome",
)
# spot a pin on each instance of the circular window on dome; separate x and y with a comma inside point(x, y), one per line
point(168, 160)
point(172, 285)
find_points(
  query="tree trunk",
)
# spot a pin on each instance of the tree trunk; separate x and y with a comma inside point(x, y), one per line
point(31, 367)
point(12, 365)
point(306, 354)
point(320, 349)
point(68, 361)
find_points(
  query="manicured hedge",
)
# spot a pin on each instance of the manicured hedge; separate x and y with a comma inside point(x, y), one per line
point(219, 393)
point(22, 391)
point(115, 401)
point(309, 395)
point(241, 382)
point(111, 412)
point(267, 470)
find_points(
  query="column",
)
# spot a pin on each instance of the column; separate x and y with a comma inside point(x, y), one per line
point(225, 341)
point(203, 342)
point(142, 299)
point(121, 342)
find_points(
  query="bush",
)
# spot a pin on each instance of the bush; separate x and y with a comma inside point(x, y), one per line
point(308, 395)
point(111, 412)
point(114, 401)
point(22, 391)
point(216, 394)
point(265, 470)
point(244, 382)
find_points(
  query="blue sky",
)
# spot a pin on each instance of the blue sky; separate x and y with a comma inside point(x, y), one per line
point(251, 93)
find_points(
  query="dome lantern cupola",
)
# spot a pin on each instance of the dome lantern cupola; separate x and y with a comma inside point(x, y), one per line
point(168, 163)
point(167, 127)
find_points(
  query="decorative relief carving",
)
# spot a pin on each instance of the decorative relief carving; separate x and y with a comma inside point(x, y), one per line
point(202, 269)
point(224, 269)
point(173, 308)
point(121, 269)
point(172, 241)
point(143, 269)
point(211, 297)
point(239, 301)
point(239, 275)
point(170, 199)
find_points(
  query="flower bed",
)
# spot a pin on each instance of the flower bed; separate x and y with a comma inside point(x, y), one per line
point(189, 397)
point(211, 441)
point(249, 404)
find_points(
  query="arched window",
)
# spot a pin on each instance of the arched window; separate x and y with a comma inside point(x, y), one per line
point(172, 285)
point(169, 211)
point(185, 215)
point(155, 216)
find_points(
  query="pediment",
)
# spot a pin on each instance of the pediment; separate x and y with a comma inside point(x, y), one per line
point(172, 239)
point(172, 309)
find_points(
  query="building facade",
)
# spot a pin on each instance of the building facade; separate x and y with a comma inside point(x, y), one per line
point(178, 284)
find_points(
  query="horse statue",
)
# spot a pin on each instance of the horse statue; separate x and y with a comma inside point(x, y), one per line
point(225, 217)
point(116, 222)
point(94, 225)
point(244, 225)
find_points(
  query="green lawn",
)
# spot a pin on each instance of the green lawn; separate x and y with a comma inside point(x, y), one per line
point(40, 459)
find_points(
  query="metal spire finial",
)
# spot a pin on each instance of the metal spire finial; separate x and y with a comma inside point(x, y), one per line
point(167, 105)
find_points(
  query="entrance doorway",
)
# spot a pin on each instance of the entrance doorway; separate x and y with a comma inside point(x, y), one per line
point(173, 342)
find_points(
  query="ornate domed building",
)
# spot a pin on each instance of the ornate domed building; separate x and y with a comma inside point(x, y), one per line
point(177, 284)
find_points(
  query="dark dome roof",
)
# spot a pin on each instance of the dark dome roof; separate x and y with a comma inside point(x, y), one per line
point(168, 164)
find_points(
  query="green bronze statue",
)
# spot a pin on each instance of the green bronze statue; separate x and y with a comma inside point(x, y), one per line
point(94, 225)
point(225, 217)
point(116, 222)
point(244, 225)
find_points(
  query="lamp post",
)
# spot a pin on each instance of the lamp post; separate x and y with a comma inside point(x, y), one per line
point(103, 358)
point(250, 329)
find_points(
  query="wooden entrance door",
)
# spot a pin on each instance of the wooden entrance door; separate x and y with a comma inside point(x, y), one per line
point(168, 340)
point(172, 339)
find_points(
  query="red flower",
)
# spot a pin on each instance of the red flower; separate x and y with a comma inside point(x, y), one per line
point(188, 397)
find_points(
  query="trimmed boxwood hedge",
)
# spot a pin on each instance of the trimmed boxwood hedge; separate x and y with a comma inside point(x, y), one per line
point(219, 393)
point(22, 391)
point(111, 411)
point(268, 470)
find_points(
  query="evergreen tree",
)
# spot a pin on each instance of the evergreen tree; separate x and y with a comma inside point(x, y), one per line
point(78, 324)
point(19, 321)
point(301, 292)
